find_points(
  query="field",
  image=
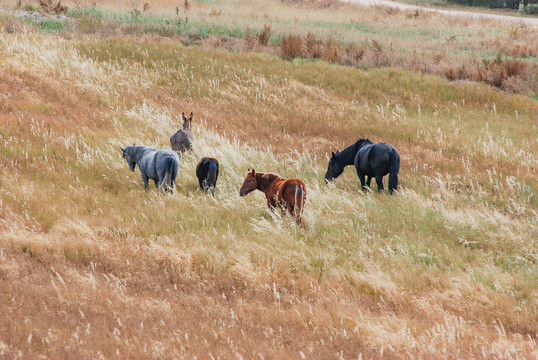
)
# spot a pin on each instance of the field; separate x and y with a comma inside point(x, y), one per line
point(92, 265)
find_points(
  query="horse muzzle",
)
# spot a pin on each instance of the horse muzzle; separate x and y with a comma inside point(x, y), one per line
point(242, 192)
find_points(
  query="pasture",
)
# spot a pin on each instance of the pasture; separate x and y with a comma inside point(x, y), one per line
point(94, 265)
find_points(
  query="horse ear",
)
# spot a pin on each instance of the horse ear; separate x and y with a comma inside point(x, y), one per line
point(333, 153)
point(122, 149)
point(191, 116)
point(337, 151)
point(183, 116)
point(253, 172)
point(134, 144)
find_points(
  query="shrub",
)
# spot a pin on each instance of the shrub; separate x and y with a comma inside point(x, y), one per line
point(314, 47)
point(264, 35)
point(291, 47)
point(531, 9)
point(331, 50)
point(497, 71)
point(250, 39)
point(352, 55)
point(50, 7)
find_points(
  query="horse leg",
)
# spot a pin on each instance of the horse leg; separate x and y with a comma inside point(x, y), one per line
point(291, 209)
point(271, 204)
point(146, 180)
point(368, 181)
point(361, 178)
point(379, 181)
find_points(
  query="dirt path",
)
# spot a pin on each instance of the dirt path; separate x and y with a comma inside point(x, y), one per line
point(475, 15)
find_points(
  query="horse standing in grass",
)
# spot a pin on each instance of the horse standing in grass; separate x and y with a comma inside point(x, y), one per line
point(207, 172)
point(370, 160)
point(182, 139)
point(287, 194)
point(161, 166)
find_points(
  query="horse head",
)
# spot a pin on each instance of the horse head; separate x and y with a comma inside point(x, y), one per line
point(129, 157)
point(250, 184)
point(187, 122)
point(335, 169)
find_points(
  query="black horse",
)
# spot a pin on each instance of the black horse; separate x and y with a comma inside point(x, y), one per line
point(371, 160)
point(207, 172)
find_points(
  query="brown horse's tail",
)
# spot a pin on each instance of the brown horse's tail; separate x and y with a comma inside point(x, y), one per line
point(300, 197)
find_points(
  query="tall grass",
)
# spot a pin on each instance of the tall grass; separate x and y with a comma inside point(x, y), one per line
point(444, 269)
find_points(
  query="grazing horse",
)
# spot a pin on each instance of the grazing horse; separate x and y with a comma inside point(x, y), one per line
point(207, 172)
point(182, 139)
point(287, 194)
point(159, 165)
point(370, 160)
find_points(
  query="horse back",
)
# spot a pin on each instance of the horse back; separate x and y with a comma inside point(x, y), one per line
point(181, 140)
point(289, 190)
point(374, 159)
point(161, 159)
point(207, 167)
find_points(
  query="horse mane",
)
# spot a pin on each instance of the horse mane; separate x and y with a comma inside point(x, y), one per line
point(269, 177)
point(362, 140)
point(133, 150)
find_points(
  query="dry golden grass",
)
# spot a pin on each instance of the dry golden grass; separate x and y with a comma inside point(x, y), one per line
point(92, 265)
point(364, 37)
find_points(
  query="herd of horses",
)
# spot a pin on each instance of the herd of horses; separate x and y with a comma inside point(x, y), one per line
point(370, 160)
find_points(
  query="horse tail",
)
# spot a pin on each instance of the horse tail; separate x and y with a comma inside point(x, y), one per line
point(170, 173)
point(211, 178)
point(393, 169)
point(173, 172)
point(300, 197)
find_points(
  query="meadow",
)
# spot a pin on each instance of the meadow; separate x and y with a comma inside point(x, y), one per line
point(496, 53)
point(92, 265)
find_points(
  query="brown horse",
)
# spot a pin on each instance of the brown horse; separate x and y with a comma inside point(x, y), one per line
point(287, 194)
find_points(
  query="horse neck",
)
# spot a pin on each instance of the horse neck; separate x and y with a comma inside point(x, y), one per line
point(140, 151)
point(265, 180)
point(363, 142)
point(347, 156)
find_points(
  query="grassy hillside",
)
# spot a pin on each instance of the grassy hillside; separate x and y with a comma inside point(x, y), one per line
point(502, 54)
point(93, 265)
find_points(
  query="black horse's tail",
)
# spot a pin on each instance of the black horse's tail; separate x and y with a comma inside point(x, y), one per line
point(211, 179)
point(393, 169)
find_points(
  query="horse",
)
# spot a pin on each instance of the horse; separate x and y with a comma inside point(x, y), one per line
point(182, 139)
point(207, 172)
point(370, 160)
point(161, 166)
point(287, 194)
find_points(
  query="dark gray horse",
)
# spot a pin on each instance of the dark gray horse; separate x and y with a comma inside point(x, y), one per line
point(370, 160)
point(161, 166)
point(182, 139)
point(207, 172)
